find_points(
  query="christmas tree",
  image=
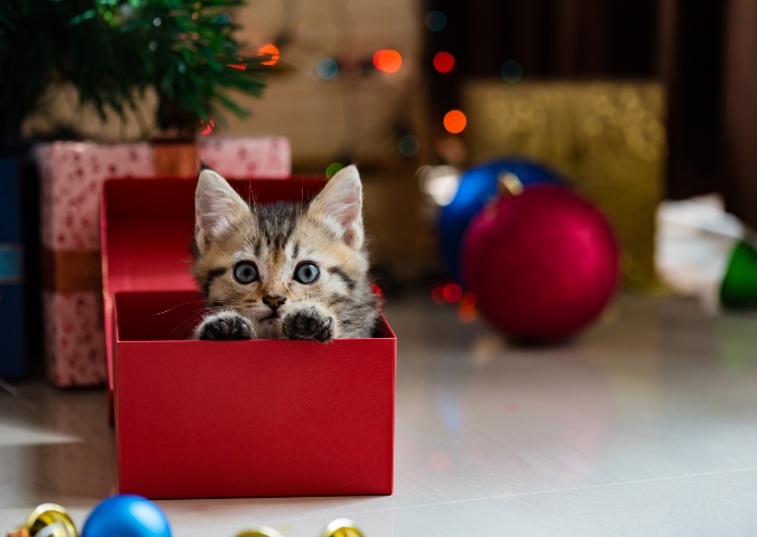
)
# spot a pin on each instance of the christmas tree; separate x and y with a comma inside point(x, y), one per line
point(112, 51)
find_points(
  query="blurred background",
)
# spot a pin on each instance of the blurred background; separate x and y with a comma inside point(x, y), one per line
point(644, 109)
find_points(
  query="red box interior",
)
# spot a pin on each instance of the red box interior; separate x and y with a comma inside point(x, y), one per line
point(237, 418)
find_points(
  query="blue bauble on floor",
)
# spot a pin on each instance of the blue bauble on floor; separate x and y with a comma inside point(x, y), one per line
point(126, 515)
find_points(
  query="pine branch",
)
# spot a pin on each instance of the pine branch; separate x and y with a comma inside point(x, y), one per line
point(111, 50)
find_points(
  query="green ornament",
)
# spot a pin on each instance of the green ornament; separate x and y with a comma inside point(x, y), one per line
point(739, 286)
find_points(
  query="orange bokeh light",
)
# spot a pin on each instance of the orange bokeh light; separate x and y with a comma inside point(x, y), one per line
point(467, 310)
point(269, 50)
point(455, 121)
point(468, 300)
point(444, 62)
point(387, 61)
point(466, 315)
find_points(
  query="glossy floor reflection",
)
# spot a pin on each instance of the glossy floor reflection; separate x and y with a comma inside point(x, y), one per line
point(646, 425)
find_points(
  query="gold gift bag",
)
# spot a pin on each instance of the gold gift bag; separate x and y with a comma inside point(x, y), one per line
point(608, 138)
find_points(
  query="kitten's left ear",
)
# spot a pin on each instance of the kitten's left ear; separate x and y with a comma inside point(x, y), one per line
point(219, 210)
point(340, 206)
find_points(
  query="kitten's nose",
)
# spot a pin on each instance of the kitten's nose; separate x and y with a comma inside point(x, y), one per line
point(274, 301)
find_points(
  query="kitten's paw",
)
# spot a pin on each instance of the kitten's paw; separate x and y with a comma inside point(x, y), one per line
point(308, 323)
point(225, 325)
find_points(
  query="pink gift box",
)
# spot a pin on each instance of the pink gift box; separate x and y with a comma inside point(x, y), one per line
point(72, 175)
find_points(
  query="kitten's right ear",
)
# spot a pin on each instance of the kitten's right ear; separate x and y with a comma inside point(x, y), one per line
point(218, 209)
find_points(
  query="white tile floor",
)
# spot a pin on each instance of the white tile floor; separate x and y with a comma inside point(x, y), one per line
point(646, 426)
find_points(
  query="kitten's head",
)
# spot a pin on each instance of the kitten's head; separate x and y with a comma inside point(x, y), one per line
point(265, 261)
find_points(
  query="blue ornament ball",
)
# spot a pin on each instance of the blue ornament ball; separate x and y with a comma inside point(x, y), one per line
point(126, 515)
point(476, 188)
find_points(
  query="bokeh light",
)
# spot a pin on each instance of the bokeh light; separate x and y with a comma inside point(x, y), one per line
point(468, 300)
point(455, 121)
point(439, 183)
point(387, 60)
point(444, 62)
point(223, 18)
point(437, 295)
point(436, 21)
point(208, 128)
point(269, 50)
point(333, 168)
point(453, 292)
point(327, 68)
point(511, 71)
point(408, 145)
point(467, 315)
point(467, 310)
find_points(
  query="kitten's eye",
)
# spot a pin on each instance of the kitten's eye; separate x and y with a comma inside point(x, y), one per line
point(306, 273)
point(246, 272)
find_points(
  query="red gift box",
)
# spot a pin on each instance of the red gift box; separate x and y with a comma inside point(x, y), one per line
point(202, 419)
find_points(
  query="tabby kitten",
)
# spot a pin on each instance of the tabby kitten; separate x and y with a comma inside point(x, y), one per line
point(283, 271)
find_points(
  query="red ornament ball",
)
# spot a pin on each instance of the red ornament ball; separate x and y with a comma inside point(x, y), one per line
point(542, 264)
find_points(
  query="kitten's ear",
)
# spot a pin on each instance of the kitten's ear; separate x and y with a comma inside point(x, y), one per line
point(340, 206)
point(218, 209)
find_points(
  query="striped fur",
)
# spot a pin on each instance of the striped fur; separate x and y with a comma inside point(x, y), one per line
point(277, 239)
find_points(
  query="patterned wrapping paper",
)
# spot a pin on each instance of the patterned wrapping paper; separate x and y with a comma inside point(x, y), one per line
point(608, 138)
point(72, 174)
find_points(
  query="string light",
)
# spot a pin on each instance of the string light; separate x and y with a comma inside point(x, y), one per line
point(327, 68)
point(436, 21)
point(269, 50)
point(452, 292)
point(333, 168)
point(408, 145)
point(511, 71)
point(387, 60)
point(439, 183)
point(466, 315)
point(437, 295)
point(208, 128)
point(455, 121)
point(223, 18)
point(444, 62)
point(467, 309)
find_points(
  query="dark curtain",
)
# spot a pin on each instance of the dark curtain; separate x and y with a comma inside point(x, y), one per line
point(709, 64)
point(704, 50)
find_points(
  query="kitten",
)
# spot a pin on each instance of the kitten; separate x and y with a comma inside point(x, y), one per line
point(283, 271)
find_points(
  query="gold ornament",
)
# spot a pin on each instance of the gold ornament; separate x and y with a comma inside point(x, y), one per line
point(47, 520)
point(260, 531)
point(341, 527)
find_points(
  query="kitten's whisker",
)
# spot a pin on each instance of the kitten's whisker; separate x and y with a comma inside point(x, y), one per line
point(198, 301)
